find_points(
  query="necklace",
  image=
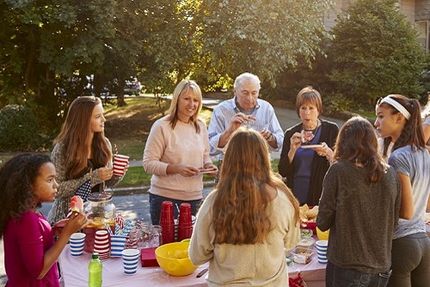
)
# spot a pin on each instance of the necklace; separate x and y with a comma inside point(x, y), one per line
point(314, 128)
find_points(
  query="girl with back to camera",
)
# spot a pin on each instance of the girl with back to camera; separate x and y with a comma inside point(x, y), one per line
point(81, 153)
point(360, 205)
point(398, 121)
point(247, 222)
point(30, 252)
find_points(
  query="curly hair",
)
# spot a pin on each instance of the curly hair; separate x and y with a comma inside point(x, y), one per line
point(17, 177)
point(240, 214)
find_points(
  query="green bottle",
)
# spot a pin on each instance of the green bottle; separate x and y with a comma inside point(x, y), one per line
point(95, 269)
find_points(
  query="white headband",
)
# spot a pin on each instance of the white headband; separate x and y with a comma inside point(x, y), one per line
point(397, 106)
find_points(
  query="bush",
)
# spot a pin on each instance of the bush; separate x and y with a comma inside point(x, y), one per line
point(338, 104)
point(375, 52)
point(19, 129)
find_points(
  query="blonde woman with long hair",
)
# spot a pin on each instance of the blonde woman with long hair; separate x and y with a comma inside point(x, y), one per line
point(81, 153)
point(247, 222)
point(177, 152)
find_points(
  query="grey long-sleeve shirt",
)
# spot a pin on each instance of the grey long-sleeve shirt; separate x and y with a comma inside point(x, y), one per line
point(361, 217)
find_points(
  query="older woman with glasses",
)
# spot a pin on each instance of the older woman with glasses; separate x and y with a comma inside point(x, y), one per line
point(177, 152)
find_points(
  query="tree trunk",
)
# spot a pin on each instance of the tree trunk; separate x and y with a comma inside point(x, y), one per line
point(120, 93)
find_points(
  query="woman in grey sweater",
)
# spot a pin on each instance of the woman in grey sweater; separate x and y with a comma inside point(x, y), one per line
point(360, 205)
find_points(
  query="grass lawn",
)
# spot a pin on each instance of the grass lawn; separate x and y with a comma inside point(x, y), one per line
point(136, 176)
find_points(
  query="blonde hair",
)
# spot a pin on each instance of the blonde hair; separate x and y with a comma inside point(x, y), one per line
point(75, 134)
point(240, 214)
point(185, 87)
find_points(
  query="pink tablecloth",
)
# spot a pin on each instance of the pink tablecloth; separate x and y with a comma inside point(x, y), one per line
point(75, 273)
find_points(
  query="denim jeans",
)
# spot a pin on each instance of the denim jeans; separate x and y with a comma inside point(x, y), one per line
point(155, 202)
point(342, 277)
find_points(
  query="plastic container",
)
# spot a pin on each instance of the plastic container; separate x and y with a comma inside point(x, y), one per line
point(306, 243)
point(100, 212)
point(95, 270)
point(302, 255)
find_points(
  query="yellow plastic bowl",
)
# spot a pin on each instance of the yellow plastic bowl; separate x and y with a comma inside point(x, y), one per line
point(174, 260)
point(322, 235)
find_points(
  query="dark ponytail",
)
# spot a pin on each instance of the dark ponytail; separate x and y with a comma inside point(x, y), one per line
point(412, 133)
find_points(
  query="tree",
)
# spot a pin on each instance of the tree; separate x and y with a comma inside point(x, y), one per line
point(48, 43)
point(170, 49)
point(263, 37)
point(375, 52)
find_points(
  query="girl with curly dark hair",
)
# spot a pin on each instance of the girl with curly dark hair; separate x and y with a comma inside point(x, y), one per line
point(30, 252)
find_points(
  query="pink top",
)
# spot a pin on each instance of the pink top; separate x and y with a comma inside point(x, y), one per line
point(181, 145)
point(26, 240)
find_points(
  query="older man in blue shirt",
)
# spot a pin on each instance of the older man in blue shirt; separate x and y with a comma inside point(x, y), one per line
point(244, 109)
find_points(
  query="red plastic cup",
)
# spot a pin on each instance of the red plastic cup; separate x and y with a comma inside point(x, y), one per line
point(185, 214)
point(167, 222)
point(119, 163)
point(185, 232)
point(185, 226)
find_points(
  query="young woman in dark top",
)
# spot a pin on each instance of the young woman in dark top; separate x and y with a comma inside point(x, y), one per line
point(360, 205)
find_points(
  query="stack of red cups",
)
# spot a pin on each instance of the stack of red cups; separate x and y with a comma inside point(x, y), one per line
point(185, 228)
point(167, 222)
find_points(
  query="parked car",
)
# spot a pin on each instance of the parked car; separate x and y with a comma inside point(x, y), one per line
point(132, 87)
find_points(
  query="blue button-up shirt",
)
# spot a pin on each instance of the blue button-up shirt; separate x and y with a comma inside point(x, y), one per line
point(265, 119)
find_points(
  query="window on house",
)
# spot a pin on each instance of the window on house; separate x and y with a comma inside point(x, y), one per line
point(423, 34)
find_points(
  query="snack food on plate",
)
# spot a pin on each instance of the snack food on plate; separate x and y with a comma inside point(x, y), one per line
point(76, 204)
point(308, 214)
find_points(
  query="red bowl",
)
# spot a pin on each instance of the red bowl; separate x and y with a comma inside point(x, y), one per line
point(312, 225)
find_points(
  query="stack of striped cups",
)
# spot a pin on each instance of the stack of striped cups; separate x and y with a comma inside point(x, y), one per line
point(322, 251)
point(130, 260)
point(117, 244)
point(77, 241)
point(102, 243)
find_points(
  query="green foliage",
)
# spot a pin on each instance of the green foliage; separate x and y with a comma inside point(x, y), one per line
point(263, 37)
point(375, 52)
point(169, 52)
point(338, 103)
point(19, 129)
